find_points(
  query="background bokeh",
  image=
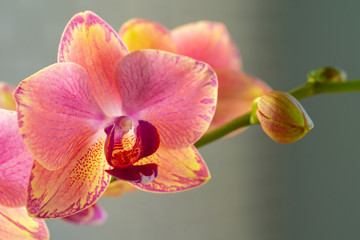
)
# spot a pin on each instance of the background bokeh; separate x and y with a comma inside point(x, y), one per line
point(260, 190)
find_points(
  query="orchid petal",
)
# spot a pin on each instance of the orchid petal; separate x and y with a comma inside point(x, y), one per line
point(15, 162)
point(209, 42)
point(176, 94)
point(237, 91)
point(71, 189)
point(15, 224)
point(6, 96)
point(117, 188)
point(94, 215)
point(89, 41)
point(179, 170)
point(144, 34)
point(57, 113)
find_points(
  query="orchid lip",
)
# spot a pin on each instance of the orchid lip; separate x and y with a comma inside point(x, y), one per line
point(143, 174)
point(126, 143)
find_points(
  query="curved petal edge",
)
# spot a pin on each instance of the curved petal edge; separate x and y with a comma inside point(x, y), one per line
point(179, 170)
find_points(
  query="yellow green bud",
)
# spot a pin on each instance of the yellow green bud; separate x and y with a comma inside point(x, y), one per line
point(282, 117)
point(327, 74)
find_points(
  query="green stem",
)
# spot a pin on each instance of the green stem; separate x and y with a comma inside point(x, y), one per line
point(303, 91)
point(224, 130)
point(310, 89)
point(306, 90)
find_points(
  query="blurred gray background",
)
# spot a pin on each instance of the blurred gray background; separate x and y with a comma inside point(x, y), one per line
point(260, 190)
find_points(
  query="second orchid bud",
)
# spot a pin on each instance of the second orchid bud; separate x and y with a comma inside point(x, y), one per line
point(282, 117)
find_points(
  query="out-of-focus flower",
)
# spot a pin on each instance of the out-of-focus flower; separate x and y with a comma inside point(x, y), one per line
point(93, 215)
point(15, 165)
point(101, 110)
point(117, 188)
point(6, 96)
point(282, 117)
point(205, 41)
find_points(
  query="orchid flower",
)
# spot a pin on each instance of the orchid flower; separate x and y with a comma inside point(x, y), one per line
point(93, 215)
point(205, 41)
point(15, 165)
point(101, 111)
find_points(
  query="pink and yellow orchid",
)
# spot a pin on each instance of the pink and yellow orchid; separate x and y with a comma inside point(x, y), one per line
point(205, 41)
point(15, 165)
point(102, 112)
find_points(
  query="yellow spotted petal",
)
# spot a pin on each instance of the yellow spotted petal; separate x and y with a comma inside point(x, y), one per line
point(71, 189)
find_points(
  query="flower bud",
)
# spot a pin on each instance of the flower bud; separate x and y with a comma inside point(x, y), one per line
point(282, 117)
point(327, 74)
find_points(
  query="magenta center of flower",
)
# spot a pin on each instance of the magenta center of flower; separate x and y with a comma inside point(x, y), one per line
point(126, 144)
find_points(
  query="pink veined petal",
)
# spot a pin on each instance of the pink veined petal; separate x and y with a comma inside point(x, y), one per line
point(89, 41)
point(237, 91)
point(179, 170)
point(15, 162)
point(209, 42)
point(117, 188)
point(176, 94)
point(94, 215)
point(6, 96)
point(57, 113)
point(71, 189)
point(144, 34)
point(15, 224)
